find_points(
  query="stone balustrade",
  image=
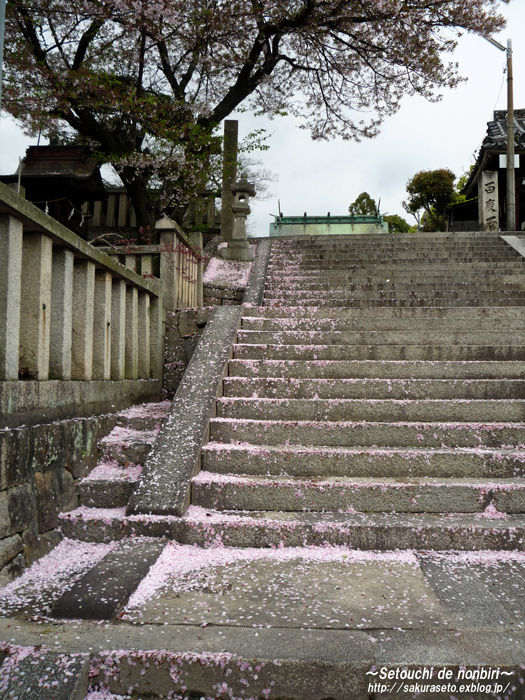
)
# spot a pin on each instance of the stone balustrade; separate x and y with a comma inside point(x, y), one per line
point(177, 260)
point(68, 310)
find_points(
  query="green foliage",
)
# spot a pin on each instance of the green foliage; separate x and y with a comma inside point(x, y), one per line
point(364, 205)
point(431, 191)
point(396, 224)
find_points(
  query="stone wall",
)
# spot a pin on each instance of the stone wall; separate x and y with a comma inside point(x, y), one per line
point(39, 469)
point(183, 330)
point(215, 296)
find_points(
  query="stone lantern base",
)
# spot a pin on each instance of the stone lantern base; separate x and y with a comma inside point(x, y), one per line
point(238, 250)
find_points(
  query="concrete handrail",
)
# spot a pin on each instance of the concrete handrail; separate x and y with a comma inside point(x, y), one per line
point(68, 310)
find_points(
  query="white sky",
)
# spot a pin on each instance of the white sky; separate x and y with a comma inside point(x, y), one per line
point(321, 177)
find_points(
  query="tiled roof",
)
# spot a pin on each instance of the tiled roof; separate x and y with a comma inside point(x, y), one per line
point(495, 141)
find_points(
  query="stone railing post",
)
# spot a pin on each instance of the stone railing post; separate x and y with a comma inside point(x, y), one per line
point(118, 330)
point(102, 326)
point(196, 240)
point(10, 285)
point(168, 263)
point(83, 305)
point(35, 310)
point(157, 316)
point(143, 316)
point(61, 314)
point(132, 334)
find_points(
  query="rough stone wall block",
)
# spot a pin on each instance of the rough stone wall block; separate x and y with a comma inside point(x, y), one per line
point(61, 314)
point(132, 333)
point(10, 280)
point(35, 309)
point(102, 326)
point(82, 334)
point(144, 335)
point(118, 330)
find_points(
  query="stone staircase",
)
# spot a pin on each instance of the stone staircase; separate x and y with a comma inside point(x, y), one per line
point(376, 400)
point(122, 455)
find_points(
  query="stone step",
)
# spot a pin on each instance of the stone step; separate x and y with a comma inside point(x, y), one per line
point(363, 433)
point(371, 369)
point(357, 494)
point(148, 416)
point(128, 446)
point(339, 259)
point(315, 461)
point(338, 313)
point(376, 322)
point(429, 353)
point(396, 303)
point(381, 531)
point(391, 285)
point(431, 265)
point(389, 244)
point(510, 410)
point(415, 336)
point(289, 295)
point(362, 277)
point(373, 388)
point(37, 673)
point(109, 485)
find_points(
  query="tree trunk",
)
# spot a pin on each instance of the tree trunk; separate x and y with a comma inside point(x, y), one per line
point(140, 197)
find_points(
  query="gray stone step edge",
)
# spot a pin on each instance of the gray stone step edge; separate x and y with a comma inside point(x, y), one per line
point(164, 485)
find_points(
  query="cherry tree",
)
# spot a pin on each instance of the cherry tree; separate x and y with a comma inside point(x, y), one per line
point(145, 83)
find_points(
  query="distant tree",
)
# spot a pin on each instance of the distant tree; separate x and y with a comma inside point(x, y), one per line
point(396, 224)
point(364, 205)
point(145, 84)
point(429, 194)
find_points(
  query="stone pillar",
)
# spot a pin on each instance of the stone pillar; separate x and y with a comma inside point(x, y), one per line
point(168, 263)
point(488, 201)
point(146, 265)
point(10, 281)
point(118, 330)
point(102, 326)
point(144, 335)
point(35, 310)
point(82, 335)
point(132, 335)
point(229, 175)
point(61, 314)
point(239, 248)
point(196, 240)
point(156, 315)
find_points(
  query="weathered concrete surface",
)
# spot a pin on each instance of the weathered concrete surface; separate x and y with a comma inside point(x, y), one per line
point(165, 481)
point(32, 402)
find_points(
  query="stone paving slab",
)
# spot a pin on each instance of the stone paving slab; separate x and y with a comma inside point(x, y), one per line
point(305, 624)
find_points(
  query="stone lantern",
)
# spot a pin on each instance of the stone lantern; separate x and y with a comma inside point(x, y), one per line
point(239, 248)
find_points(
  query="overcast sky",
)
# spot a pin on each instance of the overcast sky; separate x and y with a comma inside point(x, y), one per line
point(321, 177)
